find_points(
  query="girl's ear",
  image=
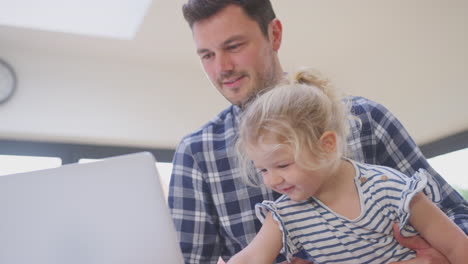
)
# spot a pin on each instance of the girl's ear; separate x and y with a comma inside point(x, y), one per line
point(328, 141)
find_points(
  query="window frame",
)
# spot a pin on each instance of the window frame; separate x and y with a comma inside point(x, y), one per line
point(73, 152)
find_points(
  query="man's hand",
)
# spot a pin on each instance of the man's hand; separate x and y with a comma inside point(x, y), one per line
point(425, 254)
point(295, 260)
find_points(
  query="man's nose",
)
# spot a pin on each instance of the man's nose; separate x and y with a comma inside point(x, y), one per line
point(224, 64)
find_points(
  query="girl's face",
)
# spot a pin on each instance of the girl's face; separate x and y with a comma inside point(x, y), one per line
point(281, 173)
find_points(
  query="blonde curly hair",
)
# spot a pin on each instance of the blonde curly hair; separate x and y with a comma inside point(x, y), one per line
point(296, 112)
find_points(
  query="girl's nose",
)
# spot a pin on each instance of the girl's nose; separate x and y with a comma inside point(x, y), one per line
point(273, 179)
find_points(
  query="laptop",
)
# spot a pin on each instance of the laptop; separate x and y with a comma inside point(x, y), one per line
point(111, 211)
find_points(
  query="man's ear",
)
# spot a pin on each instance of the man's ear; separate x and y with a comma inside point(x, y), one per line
point(275, 33)
point(328, 141)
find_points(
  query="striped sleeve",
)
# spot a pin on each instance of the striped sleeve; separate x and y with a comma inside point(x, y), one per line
point(420, 181)
point(262, 209)
point(399, 191)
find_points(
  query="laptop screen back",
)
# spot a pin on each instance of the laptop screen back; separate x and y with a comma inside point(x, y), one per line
point(107, 212)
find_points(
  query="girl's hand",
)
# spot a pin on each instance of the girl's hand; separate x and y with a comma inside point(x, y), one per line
point(425, 254)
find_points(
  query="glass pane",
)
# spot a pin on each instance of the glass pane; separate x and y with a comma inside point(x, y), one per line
point(450, 166)
point(10, 164)
point(165, 170)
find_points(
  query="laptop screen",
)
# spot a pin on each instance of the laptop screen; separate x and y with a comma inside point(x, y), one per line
point(106, 212)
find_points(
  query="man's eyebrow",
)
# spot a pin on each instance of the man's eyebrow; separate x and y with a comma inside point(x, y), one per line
point(233, 39)
point(202, 51)
point(225, 43)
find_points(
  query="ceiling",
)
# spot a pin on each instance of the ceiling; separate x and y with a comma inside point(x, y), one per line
point(410, 56)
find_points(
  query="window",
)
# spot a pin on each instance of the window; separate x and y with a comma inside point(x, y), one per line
point(451, 167)
point(165, 170)
point(22, 156)
point(103, 18)
point(447, 156)
point(10, 164)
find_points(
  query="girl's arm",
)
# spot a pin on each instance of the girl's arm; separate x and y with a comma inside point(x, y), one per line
point(438, 229)
point(264, 248)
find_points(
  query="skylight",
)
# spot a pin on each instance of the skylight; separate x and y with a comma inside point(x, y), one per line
point(105, 18)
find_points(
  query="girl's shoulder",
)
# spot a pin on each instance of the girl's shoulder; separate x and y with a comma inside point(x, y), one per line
point(375, 173)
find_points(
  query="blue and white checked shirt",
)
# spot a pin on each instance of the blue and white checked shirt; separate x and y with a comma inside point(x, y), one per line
point(213, 210)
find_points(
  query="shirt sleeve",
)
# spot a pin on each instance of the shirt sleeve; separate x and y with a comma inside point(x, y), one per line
point(418, 182)
point(262, 209)
point(393, 192)
point(192, 209)
point(386, 142)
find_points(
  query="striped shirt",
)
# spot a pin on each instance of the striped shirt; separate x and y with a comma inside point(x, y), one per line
point(213, 210)
point(328, 237)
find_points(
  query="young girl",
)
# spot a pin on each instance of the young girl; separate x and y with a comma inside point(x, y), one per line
point(335, 209)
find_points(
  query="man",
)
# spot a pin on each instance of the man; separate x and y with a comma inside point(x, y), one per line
point(238, 42)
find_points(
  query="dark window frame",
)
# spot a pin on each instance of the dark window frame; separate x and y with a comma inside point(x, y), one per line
point(445, 145)
point(72, 152)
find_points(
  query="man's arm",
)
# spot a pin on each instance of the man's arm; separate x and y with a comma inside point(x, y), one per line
point(439, 231)
point(425, 253)
point(192, 211)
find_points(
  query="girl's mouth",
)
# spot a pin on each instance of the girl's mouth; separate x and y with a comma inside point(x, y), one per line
point(287, 190)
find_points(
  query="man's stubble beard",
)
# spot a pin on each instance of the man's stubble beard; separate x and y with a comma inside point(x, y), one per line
point(266, 81)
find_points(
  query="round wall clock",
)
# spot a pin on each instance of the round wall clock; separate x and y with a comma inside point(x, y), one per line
point(7, 81)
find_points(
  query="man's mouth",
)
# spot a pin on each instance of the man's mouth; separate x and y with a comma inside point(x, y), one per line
point(233, 82)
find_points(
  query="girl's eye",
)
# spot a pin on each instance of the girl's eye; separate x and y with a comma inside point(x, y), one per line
point(283, 166)
point(261, 171)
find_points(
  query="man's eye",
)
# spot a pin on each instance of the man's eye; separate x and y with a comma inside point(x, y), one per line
point(207, 56)
point(234, 47)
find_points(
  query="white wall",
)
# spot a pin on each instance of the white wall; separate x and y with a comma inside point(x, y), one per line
point(410, 55)
point(92, 100)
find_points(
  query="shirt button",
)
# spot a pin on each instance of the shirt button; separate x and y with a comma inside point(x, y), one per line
point(384, 177)
point(363, 179)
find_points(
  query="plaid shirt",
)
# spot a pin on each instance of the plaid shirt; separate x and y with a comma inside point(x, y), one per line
point(213, 210)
